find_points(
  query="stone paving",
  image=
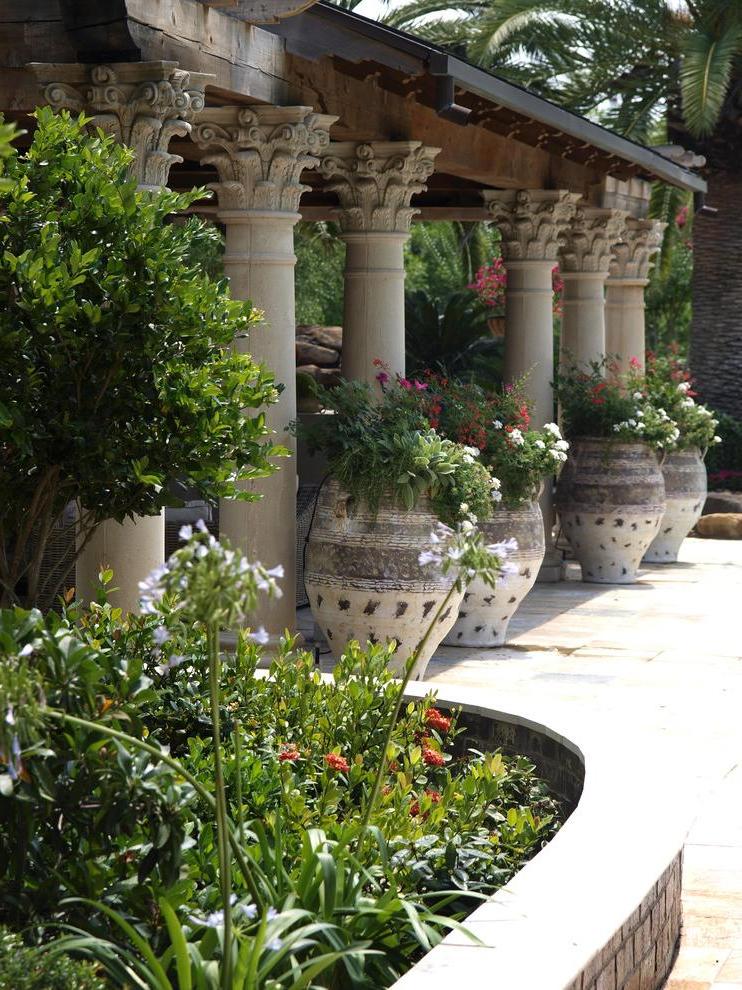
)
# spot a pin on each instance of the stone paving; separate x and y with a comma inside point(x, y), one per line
point(659, 664)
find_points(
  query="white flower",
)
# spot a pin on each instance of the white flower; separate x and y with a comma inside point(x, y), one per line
point(467, 526)
point(561, 445)
point(683, 387)
point(429, 557)
point(464, 507)
point(259, 636)
point(504, 547)
point(516, 437)
point(10, 716)
point(27, 650)
point(201, 526)
point(495, 483)
point(553, 429)
point(275, 572)
point(616, 427)
point(185, 532)
point(638, 396)
point(160, 635)
point(687, 402)
point(496, 496)
point(473, 451)
point(175, 661)
point(248, 910)
point(497, 424)
point(632, 422)
point(639, 413)
point(539, 444)
point(716, 439)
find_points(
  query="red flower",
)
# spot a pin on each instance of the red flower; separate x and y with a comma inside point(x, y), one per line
point(432, 758)
point(436, 720)
point(289, 754)
point(435, 797)
point(635, 363)
point(386, 790)
point(336, 762)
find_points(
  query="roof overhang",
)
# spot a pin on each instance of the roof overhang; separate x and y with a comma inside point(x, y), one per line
point(327, 30)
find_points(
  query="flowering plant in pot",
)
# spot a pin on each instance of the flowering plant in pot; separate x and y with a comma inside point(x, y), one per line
point(611, 495)
point(490, 285)
point(391, 479)
point(667, 382)
point(498, 425)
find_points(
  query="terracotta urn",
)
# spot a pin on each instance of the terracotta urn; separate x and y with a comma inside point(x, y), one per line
point(610, 499)
point(486, 612)
point(685, 491)
point(364, 580)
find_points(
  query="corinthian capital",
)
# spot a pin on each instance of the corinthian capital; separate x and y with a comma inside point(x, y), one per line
point(260, 153)
point(634, 254)
point(591, 239)
point(532, 221)
point(375, 182)
point(141, 104)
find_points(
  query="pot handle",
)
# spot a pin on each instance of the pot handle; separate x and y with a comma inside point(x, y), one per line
point(342, 503)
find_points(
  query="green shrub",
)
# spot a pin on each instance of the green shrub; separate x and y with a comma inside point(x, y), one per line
point(29, 968)
point(724, 462)
point(117, 377)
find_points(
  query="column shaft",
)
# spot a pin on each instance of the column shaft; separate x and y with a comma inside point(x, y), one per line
point(583, 319)
point(373, 308)
point(624, 320)
point(259, 261)
point(529, 349)
point(131, 549)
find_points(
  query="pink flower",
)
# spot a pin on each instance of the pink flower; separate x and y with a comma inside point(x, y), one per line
point(635, 363)
point(420, 386)
point(405, 383)
point(382, 378)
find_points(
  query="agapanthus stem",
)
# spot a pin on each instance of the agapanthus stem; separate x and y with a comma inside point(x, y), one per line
point(238, 779)
point(222, 826)
point(411, 661)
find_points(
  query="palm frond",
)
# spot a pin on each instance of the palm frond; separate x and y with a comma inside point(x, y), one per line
point(705, 72)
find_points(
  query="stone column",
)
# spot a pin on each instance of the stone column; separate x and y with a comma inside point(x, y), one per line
point(624, 290)
point(584, 260)
point(143, 105)
point(532, 223)
point(259, 153)
point(375, 183)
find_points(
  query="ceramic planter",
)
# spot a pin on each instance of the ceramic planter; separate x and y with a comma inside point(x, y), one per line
point(610, 499)
point(685, 490)
point(486, 612)
point(364, 581)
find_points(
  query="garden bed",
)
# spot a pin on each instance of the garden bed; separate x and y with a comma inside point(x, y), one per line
point(598, 907)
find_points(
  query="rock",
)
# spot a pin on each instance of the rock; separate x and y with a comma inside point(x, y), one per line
point(324, 376)
point(308, 353)
point(720, 526)
point(722, 502)
point(324, 336)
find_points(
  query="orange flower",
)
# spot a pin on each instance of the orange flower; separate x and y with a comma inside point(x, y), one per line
point(435, 720)
point(289, 754)
point(336, 762)
point(432, 758)
point(435, 797)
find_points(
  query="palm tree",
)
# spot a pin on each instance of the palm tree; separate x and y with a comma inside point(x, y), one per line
point(663, 70)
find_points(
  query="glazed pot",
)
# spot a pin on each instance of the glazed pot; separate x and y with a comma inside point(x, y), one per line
point(685, 491)
point(486, 612)
point(610, 499)
point(364, 580)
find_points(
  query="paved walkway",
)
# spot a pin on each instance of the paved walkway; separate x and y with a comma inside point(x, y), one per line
point(660, 664)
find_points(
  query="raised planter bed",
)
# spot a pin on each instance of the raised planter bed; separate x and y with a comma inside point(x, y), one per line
point(599, 907)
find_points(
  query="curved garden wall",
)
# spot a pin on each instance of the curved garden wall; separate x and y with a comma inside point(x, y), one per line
point(588, 912)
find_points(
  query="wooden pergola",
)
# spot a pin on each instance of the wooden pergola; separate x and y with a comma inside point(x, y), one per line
point(327, 115)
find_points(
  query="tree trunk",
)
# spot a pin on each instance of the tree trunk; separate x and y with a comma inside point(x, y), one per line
point(716, 330)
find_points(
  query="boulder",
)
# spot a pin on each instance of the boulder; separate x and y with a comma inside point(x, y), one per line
point(722, 502)
point(324, 336)
point(720, 526)
point(309, 353)
point(325, 376)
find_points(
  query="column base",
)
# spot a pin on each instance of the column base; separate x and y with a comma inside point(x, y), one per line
point(551, 569)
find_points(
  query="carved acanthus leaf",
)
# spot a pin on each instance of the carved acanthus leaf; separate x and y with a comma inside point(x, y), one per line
point(532, 221)
point(260, 152)
point(375, 182)
point(591, 239)
point(633, 255)
point(141, 104)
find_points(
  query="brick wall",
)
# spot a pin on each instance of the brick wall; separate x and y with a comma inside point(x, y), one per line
point(640, 955)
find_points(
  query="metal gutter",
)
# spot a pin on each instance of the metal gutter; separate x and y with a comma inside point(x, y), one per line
point(505, 94)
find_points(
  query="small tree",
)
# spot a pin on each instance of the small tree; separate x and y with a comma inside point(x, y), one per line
point(117, 376)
